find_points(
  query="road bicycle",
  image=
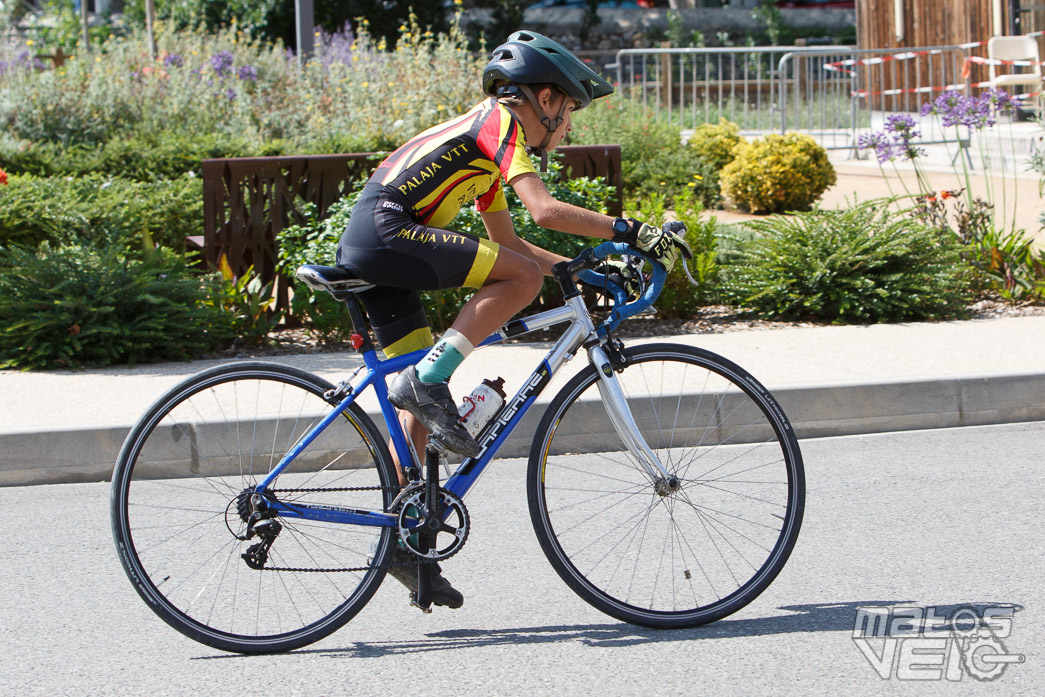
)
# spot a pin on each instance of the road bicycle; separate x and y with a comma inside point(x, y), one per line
point(256, 507)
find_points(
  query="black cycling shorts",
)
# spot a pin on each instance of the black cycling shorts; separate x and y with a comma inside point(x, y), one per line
point(384, 245)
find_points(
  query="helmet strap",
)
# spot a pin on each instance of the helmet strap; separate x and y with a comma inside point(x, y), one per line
point(550, 124)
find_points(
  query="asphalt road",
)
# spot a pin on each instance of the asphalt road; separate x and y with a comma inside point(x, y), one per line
point(933, 519)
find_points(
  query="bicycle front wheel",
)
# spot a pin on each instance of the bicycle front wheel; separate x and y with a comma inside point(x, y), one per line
point(180, 505)
point(655, 554)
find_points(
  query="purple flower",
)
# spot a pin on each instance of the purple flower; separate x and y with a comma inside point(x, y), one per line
point(999, 101)
point(978, 113)
point(231, 94)
point(951, 107)
point(23, 60)
point(955, 109)
point(336, 47)
point(247, 72)
point(884, 147)
point(221, 62)
point(903, 127)
point(895, 140)
point(173, 60)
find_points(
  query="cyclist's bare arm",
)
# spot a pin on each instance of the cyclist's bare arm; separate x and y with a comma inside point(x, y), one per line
point(551, 213)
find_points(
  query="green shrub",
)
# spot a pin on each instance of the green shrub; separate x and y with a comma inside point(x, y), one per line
point(100, 210)
point(225, 85)
point(1007, 264)
point(652, 161)
point(273, 20)
point(680, 299)
point(145, 158)
point(1005, 261)
point(778, 173)
point(75, 305)
point(863, 264)
point(247, 303)
point(714, 143)
point(315, 242)
point(674, 173)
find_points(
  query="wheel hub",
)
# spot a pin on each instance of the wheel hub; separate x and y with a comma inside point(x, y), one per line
point(667, 486)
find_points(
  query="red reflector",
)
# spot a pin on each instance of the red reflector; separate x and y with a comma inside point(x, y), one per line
point(357, 340)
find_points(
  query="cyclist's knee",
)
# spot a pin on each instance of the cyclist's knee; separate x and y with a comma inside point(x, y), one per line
point(531, 278)
point(520, 272)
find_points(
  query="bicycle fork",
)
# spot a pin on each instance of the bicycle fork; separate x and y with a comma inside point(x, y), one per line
point(616, 405)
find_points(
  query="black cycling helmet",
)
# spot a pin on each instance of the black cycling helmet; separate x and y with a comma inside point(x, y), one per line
point(528, 58)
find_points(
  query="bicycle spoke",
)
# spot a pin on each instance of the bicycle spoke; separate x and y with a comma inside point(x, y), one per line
point(684, 551)
point(181, 516)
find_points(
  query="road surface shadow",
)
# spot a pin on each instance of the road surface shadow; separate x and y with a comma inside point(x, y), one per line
point(814, 617)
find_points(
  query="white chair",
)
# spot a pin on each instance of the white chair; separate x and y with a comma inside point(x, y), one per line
point(1014, 48)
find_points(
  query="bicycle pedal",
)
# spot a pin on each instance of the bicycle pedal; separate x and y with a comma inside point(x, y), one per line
point(422, 608)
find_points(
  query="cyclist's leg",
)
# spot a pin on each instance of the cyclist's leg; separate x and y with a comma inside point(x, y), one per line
point(399, 321)
point(390, 249)
point(513, 282)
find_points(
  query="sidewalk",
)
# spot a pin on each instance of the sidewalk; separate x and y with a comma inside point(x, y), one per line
point(66, 426)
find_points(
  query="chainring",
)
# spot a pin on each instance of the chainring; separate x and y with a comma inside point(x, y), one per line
point(455, 524)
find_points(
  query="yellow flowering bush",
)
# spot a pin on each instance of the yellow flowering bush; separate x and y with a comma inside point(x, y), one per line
point(714, 142)
point(777, 173)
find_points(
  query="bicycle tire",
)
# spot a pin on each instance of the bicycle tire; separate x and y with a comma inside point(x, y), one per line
point(174, 515)
point(690, 556)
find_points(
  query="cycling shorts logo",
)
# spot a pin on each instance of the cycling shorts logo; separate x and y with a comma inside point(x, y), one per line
point(393, 205)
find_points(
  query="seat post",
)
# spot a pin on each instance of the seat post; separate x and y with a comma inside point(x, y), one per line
point(355, 311)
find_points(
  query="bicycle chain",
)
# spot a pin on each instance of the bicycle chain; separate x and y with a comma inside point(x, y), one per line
point(331, 571)
point(342, 488)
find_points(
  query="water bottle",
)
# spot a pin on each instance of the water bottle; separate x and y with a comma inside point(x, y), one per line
point(479, 407)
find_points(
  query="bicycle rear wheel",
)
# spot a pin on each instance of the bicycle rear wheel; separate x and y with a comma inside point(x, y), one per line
point(186, 466)
point(656, 556)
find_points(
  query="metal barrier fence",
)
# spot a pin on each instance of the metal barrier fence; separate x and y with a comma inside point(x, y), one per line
point(832, 93)
point(691, 86)
point(872, 83)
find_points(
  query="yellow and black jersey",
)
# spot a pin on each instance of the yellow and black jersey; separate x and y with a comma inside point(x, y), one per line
point(464, 159)
point(397, 236)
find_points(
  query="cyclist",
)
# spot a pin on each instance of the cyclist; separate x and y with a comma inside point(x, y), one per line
point(397, 237)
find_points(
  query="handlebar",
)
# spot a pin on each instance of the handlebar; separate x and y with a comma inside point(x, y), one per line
point(590, 258)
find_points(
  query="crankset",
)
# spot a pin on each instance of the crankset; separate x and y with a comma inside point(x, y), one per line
point(446, 532)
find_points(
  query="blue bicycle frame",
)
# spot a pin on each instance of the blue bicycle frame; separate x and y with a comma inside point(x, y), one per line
point(497, 432)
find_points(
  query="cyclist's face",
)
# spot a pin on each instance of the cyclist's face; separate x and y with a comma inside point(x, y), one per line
point(552, 111)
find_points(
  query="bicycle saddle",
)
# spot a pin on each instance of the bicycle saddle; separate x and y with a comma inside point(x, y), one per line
point(333, 279)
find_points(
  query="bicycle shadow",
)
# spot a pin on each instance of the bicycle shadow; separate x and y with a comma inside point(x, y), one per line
point(813, 617)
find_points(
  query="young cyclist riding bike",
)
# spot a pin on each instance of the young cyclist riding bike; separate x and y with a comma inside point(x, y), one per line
point(397, 237)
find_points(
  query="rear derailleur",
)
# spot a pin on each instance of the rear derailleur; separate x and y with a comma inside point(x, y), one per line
point(253, 509)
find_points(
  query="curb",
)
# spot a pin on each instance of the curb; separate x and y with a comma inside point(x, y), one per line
point(88, 454)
